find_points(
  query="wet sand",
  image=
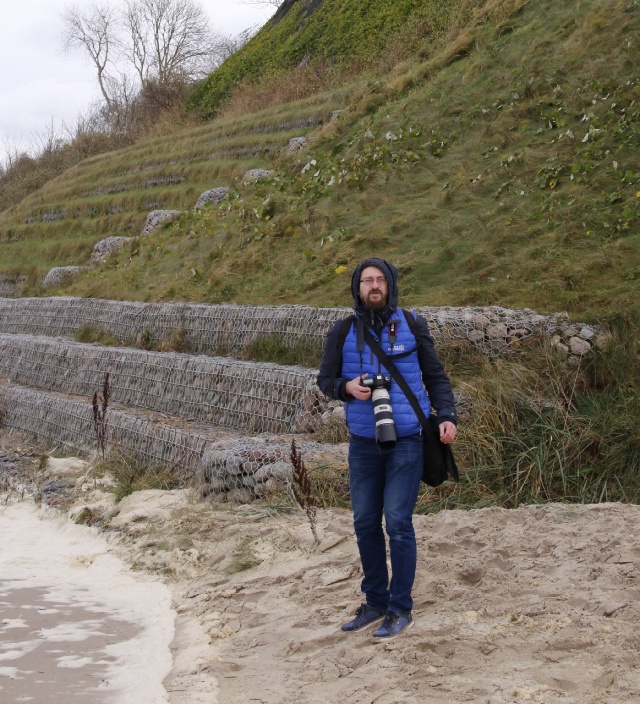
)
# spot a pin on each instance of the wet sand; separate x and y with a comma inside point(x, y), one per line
point(75, 624)
point(53, 651)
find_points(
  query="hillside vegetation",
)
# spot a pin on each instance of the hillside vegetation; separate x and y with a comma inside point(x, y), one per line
point(491, 153)
point(489, 149)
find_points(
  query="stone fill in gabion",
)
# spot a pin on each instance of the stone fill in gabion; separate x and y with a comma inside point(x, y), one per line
point(104, 248)
point(239, 468)
point(60, 275)
point(227, 329)
point(295, 144)
point(254, 175)
point(157, 217)
point(212, 196)
point(11, 287)
point(221, 391)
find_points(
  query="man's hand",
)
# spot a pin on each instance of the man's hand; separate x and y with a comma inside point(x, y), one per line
point(355, 389)
point(448, 432)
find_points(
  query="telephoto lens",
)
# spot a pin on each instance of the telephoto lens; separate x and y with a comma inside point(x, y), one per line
point(386, 434)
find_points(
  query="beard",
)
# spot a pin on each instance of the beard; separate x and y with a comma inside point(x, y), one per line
point(376, 303)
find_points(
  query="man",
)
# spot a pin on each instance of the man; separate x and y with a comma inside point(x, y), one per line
point(383, 479)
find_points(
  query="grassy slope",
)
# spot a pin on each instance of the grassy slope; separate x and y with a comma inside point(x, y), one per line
point(465, 165)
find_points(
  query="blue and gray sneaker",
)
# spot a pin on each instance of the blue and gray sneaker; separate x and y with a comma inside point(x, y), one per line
point(365, 615)
point(394, 623)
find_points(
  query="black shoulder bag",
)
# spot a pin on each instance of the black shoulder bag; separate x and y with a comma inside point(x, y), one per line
point(438, 461)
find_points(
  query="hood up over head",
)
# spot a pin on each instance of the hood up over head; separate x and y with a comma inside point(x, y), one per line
point(391, 274)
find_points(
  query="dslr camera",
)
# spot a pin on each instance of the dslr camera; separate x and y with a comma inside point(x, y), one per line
point(386, 434)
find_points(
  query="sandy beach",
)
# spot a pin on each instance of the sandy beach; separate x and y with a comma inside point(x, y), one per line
point(537, 604)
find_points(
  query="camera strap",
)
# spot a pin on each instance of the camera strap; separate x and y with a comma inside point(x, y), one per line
point(386, 360)
point(433, 447)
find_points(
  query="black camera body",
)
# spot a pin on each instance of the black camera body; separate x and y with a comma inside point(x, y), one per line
point(386, 433)
point(377, 381)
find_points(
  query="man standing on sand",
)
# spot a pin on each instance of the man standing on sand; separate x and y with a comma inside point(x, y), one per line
point(384, 477)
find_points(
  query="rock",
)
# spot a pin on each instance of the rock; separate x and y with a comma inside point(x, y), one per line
point(579, 347)
point(254, 175)
point(158, 217)
point(69, 467)
point(295, 144)
point(587, 333)
point(241, 496)
point(497, 331)
point(107, 246)
point(602, 340)
point(562, 350)
point(60, 275)
point(213, 195)
point(277, 470)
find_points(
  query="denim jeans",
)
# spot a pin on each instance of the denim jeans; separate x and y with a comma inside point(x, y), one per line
point(386, 482)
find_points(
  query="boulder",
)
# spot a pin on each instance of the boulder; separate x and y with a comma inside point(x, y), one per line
point(295, 144)
point(60, 275)
point(254, 175)
point(158, 217)
point(214, 195)
point(107, 246)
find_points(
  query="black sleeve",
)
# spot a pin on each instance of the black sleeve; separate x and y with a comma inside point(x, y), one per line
point(434, 377)
point(329, 378)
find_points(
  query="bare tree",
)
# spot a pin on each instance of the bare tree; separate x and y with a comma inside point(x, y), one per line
point(169, 40)
point(228, 45)
point(94, 29)
point(264, 3)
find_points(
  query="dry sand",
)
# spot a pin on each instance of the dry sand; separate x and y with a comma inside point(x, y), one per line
point(538, 604)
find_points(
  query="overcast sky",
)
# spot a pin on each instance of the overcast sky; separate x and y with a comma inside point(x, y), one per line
point(39, 84)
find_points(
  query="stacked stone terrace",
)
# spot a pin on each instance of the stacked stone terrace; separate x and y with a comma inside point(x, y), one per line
point(226, 421)
point(211, 329)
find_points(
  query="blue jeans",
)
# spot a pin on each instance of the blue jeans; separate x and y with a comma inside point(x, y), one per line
point(386, 482)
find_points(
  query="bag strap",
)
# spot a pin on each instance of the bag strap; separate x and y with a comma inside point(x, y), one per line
point(343, 331)
point(396, 376)
point(431, 432)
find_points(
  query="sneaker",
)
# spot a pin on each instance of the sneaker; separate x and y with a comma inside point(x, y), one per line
point(394, 623)
point(364, 616)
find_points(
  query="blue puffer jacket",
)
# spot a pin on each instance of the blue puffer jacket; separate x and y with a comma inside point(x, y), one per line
point(422, 369)
point(359, 414)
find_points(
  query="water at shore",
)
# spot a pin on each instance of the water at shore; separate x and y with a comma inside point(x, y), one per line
point(75, 623)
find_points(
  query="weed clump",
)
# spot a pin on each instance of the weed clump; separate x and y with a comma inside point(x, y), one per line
point(130, 475)
point(302, 490)
point(100, 406)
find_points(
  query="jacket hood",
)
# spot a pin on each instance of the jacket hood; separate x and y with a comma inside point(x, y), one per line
point(391, 274)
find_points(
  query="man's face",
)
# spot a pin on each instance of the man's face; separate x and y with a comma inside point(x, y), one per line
point(374, 289)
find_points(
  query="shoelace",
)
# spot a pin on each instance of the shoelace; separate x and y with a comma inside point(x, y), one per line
point(389, 620)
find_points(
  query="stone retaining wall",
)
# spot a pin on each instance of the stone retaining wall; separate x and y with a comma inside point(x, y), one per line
point(240, 468)
point(223, 392)
point(226, 329)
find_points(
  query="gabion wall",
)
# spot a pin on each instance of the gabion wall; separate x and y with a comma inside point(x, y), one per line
point(224, 392)
point(239, 468)
point(226, 329)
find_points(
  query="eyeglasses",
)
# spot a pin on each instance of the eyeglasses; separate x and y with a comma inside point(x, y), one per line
point(370, 280)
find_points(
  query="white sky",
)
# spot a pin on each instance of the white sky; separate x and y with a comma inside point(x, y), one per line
point(39, 84)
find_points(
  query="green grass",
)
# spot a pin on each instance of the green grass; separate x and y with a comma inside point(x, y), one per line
point(541, 432)
point(131, 475)
point(493, 156)
point(465, 164)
